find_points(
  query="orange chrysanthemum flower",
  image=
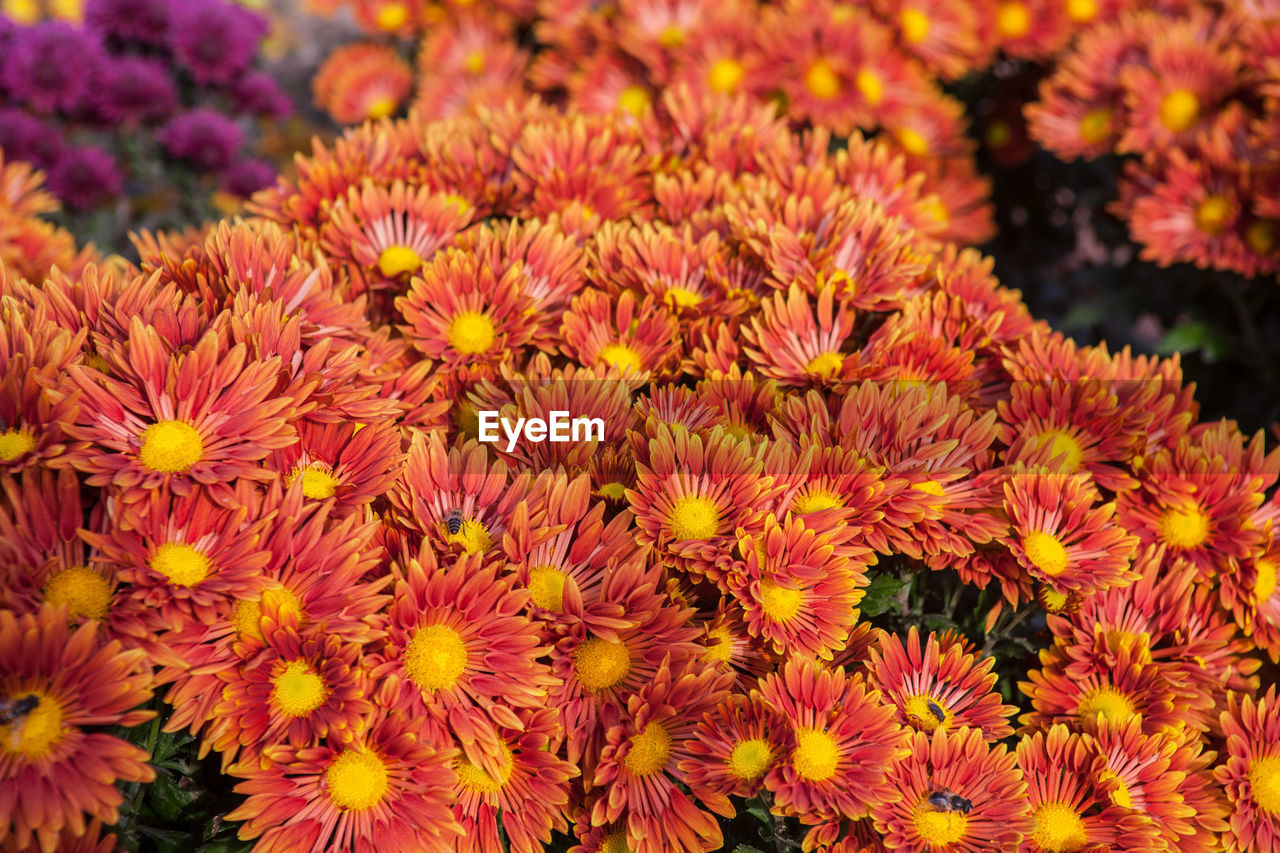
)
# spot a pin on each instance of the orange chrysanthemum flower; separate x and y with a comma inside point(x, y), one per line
point(798, 587)
point(843, 742)
point(142, 433)
point(736, 746)
point(359, 82)
point(1070, 809)
point(1251, 772)
point(1062, 535)
point(1134, 688)
point(350, 463)
point(601, 665)
point(520, 797)
point(939, 688)
point(800, 345)
point(694, 493)
point(389, 789)
point(637, 340)
point(639, 767)
point(959, 793)
point(53, 769)
point(462, 647)
point(301, 690)
point(462, 312)
point(386, 234)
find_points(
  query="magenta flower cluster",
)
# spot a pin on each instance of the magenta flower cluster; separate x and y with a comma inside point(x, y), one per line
point(141, 81)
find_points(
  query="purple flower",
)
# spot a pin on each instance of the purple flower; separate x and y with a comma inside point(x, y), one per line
point(50, 67)
point(136, 89)
point(204, 137)
point(25, 137)
point(248, 176)
point(214, 40)
point(257, 92)
point(84, 177)
point(144, 21)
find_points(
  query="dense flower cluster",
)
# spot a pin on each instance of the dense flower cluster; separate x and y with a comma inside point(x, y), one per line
point(849, 68)
point(99, 102)
point(1191, 95)
point(255, 461)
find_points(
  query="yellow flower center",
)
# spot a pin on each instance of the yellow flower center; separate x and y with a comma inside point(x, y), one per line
point(298, 689)
point(381, 107)
point(474, 62)
point(1265, 585)
point(38, 731)
point(1264, 783)
point(601, 664)
point(1058, 828)
point(1108, 702)
point(615, 842)
point(473, 535)
point(1212, 214)
point(912, 141)
point(1260, 236)
point(939, 828)
point(1184, 527)
point(934, 206)
point(398, 260)
point(920, 711)
point(546, 587)
point(672, 36)
point(635, 100)
point(694, 517)
point(392, 16)
point(356, 780)
point(650, 751)
point(999, 133)
point(1082, 11)
point(435, 657)
point(15, 443)
point(86, 593)
point(1052, 600)
point(915, 25)
point(1095, 126)
point(870, 85)
point(247, 618)
point(614, 491)
point(318, 482)
point(1179, 110)
point(181, 564)
point(931, 487)
point(1013, 20)
point(622, 357)
point(778, 602)
point(827, 365)
point(815, 501)
point(719, 645)
point(726, 75)
point(1062, 445)
point(816, 755)
point(24, 12)
point(821, 80)
point(476, 779)
point(471, 332)
point(682, 297)
point(1120, 796)
point(1045, 552)
point(749, 759)
point(170, 447)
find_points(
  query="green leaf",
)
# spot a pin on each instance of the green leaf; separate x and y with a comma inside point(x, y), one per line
point(743, 848)
point(1195, 337)
point(759, 812)
point(882, 595)
point(168, 799)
